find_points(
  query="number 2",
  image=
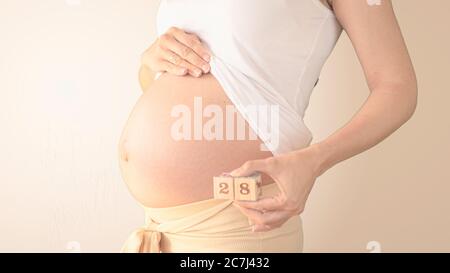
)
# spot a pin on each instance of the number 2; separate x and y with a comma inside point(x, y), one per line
point(224, 188)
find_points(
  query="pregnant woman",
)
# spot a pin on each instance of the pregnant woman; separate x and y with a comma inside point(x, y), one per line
point(215, 55)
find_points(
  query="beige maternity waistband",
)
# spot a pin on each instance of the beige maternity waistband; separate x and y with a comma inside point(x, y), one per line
point(211, 225)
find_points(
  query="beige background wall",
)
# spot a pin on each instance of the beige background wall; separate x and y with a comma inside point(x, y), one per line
point(68, 79)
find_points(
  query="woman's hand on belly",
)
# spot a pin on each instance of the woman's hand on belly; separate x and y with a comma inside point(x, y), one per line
point(178, 53)
point(295, 174)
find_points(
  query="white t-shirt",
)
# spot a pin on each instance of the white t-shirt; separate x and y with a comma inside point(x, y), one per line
point(267, 54)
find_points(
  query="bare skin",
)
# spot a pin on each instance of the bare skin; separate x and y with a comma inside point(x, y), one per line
point(390, 75)
point(163, 172)
point(158, 170)
point(175, 52)
point(382, 52)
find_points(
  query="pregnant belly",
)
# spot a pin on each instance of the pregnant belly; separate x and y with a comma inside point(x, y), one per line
point(170, 148)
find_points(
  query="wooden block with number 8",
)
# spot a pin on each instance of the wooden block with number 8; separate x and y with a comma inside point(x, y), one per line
point(223, 187)
point(247, 188)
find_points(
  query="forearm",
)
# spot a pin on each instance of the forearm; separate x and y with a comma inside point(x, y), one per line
point(385, 110)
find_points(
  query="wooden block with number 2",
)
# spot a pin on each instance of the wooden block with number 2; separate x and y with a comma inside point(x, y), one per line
point(223, 187)
point(246, 188)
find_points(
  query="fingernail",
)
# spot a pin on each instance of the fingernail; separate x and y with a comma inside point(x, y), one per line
point(183, 71)
point(207, 58)
point(205, 68)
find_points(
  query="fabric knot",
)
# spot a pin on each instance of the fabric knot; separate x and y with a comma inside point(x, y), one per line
point(144, 240)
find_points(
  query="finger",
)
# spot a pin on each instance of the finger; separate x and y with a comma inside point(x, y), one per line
point(171, 68)
point(278, 220)
point(185, 52)
point(252, 215)
point(250, 167)
point(257, 217)
point(261, 228)
point(263, 205)
point(271, 219)
point(192, 41)
point(173, 58)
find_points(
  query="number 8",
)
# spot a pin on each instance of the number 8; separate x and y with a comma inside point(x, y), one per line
point(244, 189)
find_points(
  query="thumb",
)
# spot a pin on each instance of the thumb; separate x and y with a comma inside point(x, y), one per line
point(249, 168)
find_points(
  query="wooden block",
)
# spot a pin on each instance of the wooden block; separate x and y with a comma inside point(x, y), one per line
point(247, 188)
point(223, 187)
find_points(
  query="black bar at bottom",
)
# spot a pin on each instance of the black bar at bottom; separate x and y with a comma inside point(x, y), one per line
point(230, 262)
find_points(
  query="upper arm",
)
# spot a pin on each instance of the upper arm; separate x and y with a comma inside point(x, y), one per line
point(378, 42)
